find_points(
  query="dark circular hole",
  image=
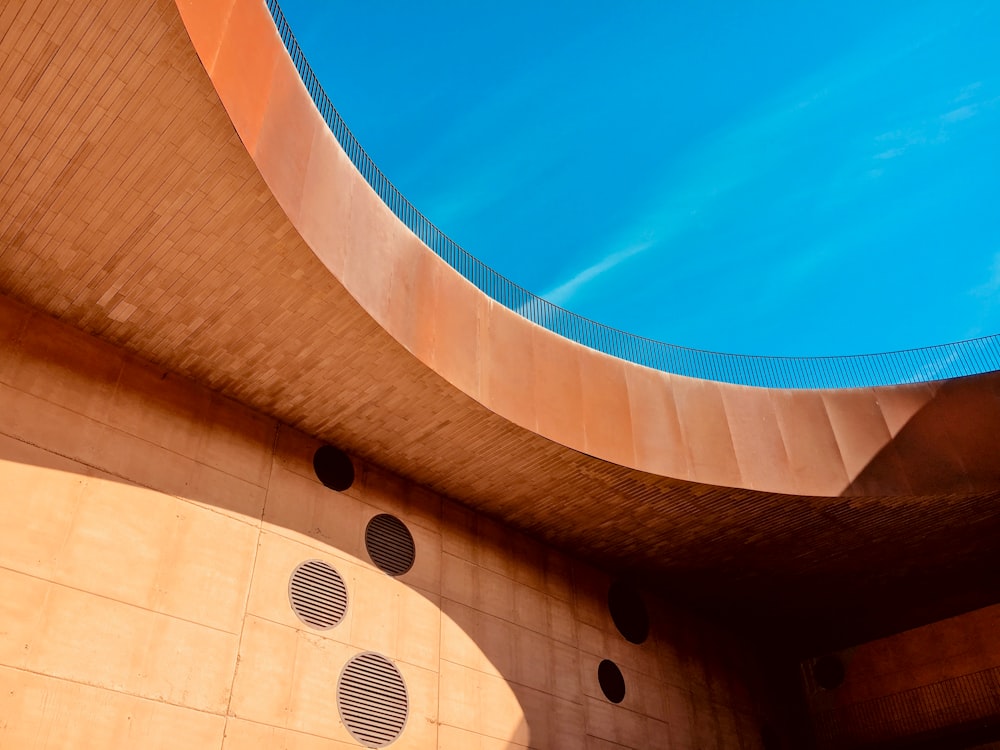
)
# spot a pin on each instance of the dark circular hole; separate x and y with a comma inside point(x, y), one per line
point(333, 468)
point(390, 544)
point(612, 682)
point(628, 612)
point(828, 672)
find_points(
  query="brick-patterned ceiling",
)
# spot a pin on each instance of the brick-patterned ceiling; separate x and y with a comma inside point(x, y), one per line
point(131, 209)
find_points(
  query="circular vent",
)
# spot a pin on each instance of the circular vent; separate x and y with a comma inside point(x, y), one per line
point(317, 594)
point(628, 612)
point(390, 544)
point(371, 697)
point(333, 468)
point(612, 682)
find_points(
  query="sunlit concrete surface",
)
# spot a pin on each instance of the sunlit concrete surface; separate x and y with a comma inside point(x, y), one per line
point(200, 289)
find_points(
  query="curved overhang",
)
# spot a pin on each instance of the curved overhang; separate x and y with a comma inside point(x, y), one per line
point(793, 441)
point(266, 267)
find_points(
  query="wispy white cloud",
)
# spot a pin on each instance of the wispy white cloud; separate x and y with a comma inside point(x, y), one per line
point(564, 292)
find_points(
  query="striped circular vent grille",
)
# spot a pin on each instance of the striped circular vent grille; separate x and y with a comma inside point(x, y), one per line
point(317, 594)
point(371, 696)
point(390, 544)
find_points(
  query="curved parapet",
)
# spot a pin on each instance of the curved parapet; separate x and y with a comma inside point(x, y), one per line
point(918, 438)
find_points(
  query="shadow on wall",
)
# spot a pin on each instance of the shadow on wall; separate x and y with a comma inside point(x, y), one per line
point(151, 528)
point(948, 446)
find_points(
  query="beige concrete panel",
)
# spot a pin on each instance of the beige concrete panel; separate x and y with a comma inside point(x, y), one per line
point(55, 363)
point(760, 450)
point(152, 466)
point(480, 703)
point(508, 385)
point(531, 608)
point(325, 212)
point(564, 671)
point(277, 558)
point(287, 678)
point(900, 403)
point(680, 705)
point(458, 579)
point(303, 509)
point(238, 442)
point(494, 593)
point(705, 426)
point(458, 530)
point(294, 450)
point(286, 136)
point(559, 576)
point(528, 562)
point(462, 641)
point(453, 738)
point(40, 422)
point(533, 660)
point(371, 241)
point(44, 713)
point(813, 454)
point(656, 427)
point(13, 319)
point(658, 735)
point(389, 493)
point(426, 571)
point(607, 419)
point(244, 65)
point(413, 298)
point(558, 388)
point(561, 623)
point(154, 551)
point(249, 735)
point(205, 23)
point(422, 724)
point(456, 329)
point(394, 619)
point(160, 408)
point(493, 546)
point(92, 639)
point(39, 506)
point(859, 426)
point(22, 602)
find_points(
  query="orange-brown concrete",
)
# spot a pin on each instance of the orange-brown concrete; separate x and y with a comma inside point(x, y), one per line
point(150, 529)
point(132, 210)
point(939, 682)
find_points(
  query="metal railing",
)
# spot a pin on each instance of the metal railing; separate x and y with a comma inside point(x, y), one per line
point(910, 366)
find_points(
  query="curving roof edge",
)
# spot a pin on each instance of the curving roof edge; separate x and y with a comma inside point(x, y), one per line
point(794, 441)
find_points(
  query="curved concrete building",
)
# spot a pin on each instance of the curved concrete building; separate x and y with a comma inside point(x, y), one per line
point(276, 475)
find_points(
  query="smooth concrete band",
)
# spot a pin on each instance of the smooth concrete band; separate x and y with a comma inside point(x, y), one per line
point(897, 440)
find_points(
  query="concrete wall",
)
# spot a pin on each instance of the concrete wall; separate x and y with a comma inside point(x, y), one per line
point(938, 682)
point(149, 531)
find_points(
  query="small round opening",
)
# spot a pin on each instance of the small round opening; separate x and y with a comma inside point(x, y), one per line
point(612, 682)
point(828, 672)
point(317, 594)
point(628, 612)
point(390, 544)
point(372, 700)
point(333, 468)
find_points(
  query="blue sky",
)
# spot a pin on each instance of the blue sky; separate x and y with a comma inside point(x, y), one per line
point(765, 178)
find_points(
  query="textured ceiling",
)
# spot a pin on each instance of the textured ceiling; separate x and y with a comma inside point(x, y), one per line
point(131, 209)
